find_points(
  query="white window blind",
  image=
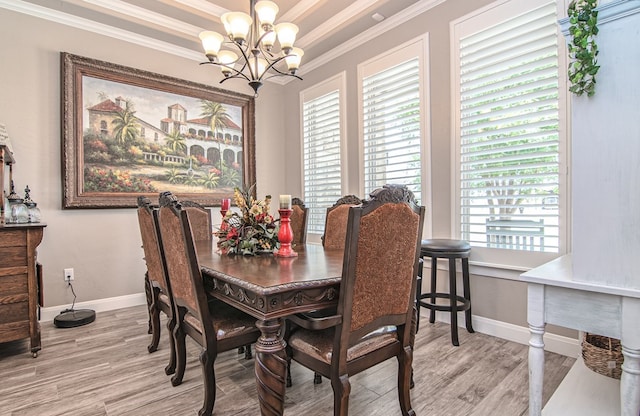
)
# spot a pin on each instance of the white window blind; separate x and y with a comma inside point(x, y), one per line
point(509, 133)
point(391, 126)
point(322, 167)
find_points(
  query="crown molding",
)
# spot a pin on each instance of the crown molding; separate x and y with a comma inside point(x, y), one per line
point(370, 34)
point(127, 9)
point(204, 7)
point(99, 28)
point(338, 20)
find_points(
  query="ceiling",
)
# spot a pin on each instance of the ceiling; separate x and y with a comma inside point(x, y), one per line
point(326, 27)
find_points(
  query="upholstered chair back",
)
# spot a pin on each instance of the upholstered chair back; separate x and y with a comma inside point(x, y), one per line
point(335, 227)
point(299, 221)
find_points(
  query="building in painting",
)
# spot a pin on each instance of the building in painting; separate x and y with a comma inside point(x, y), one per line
point(201, 141)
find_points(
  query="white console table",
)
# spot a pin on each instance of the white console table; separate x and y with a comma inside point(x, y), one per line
point(555, 298)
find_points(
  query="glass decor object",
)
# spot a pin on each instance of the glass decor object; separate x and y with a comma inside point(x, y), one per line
point(34, 211)
point(18, 211)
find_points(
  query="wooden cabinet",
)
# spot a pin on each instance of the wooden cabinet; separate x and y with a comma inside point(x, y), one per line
point(20, 283)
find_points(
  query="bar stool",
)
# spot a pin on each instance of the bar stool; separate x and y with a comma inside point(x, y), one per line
point(452, 250)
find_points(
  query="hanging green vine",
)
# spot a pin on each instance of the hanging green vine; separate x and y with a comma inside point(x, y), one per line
point(583, 50)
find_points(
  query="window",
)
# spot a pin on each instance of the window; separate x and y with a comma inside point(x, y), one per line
point(391, 92)
point(509, 127)
point(322, 127)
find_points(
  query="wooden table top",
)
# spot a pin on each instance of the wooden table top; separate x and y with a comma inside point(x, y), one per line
point(267, 286)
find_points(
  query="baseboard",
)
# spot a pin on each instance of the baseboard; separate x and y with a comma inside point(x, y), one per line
point(98, 305)
point(555, 343)
point(558, 344)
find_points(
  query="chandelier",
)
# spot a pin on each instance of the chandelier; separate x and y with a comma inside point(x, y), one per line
point(253, 38)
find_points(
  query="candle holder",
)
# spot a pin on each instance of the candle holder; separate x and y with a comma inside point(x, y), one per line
point(285, 235)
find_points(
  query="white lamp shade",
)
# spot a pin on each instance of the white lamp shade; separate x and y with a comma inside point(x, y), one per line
point(286, 34)
point(266, 11)
point(227, 58)
point(269, 39)
point(211, 42)
point(239, 24)
point(262, 65)
point(293, 58)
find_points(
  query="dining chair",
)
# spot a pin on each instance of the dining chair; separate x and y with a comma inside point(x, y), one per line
point(299, 214)
point(211, 323)
point(335, 225)
point(157, 288)
point(200, 218)
point(335, 231)
point(376, 313)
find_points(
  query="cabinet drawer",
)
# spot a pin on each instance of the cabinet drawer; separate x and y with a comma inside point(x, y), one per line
point(14, 330)
point(12, 238)
point(14, 312)
point(13, 256)
point(16, 284)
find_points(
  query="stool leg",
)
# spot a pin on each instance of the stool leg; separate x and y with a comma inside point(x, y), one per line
point(434, 271)
point(419, 292)
point(453, 302)
point(467, 293)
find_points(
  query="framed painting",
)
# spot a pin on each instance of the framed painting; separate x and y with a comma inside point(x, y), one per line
point(128, 132)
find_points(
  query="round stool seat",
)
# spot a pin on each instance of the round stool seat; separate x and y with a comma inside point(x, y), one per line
point(439, 245)
point(451, 250)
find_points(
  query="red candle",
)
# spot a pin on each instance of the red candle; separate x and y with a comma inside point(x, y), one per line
point(225, 204)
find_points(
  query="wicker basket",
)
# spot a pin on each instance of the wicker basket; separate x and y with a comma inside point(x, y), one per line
point(602, 355)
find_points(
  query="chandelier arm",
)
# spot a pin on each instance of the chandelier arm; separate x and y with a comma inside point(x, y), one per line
point(279, 73)
point(245, 64)
point(282, 74)
point(237, 74)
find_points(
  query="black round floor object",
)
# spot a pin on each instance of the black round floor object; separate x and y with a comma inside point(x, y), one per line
point(71, 318)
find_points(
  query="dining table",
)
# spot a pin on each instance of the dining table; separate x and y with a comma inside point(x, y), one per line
point(270, 288)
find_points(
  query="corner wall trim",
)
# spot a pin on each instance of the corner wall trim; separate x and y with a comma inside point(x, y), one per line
point(99, 305)
point(558, 344)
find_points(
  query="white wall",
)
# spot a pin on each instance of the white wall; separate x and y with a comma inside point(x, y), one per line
point(102, 245)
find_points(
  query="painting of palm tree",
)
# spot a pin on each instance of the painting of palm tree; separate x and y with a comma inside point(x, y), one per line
point(139, 138)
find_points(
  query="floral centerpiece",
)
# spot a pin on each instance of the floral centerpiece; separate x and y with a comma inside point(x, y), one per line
point(251, 231)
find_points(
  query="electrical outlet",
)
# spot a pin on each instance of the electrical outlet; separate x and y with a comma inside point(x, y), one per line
point(68, 275)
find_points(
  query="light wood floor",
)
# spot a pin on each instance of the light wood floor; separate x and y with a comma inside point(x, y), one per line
point(103, 368)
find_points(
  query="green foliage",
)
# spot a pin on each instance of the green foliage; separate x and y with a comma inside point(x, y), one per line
point(583, 50)
point(109, 180)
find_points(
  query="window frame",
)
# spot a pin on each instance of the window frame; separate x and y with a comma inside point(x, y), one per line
point(416, 47)
point(494, 261)
point(337, 82)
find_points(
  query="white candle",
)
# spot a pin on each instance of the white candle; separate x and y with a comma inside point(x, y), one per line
point(285, 201)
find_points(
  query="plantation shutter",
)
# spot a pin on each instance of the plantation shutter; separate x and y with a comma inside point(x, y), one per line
point(391, 125)
point(322, 172)
point(509, 133)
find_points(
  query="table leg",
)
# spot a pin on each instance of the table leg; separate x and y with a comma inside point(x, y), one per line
point(630, 340)
point(630, 382)
point(535, 316)
point(271, 367)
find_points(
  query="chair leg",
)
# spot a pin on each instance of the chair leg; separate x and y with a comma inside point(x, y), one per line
point(148, 295)
point(207, 360)
point(247, 352)
point(419, 291)
point(341, 390)
point(405, 378)
point(467, 293)
point(181, 351)
point(154, 319)
point(453, 301)
point(434, 272)
point(317, 378)
point(171, 366)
